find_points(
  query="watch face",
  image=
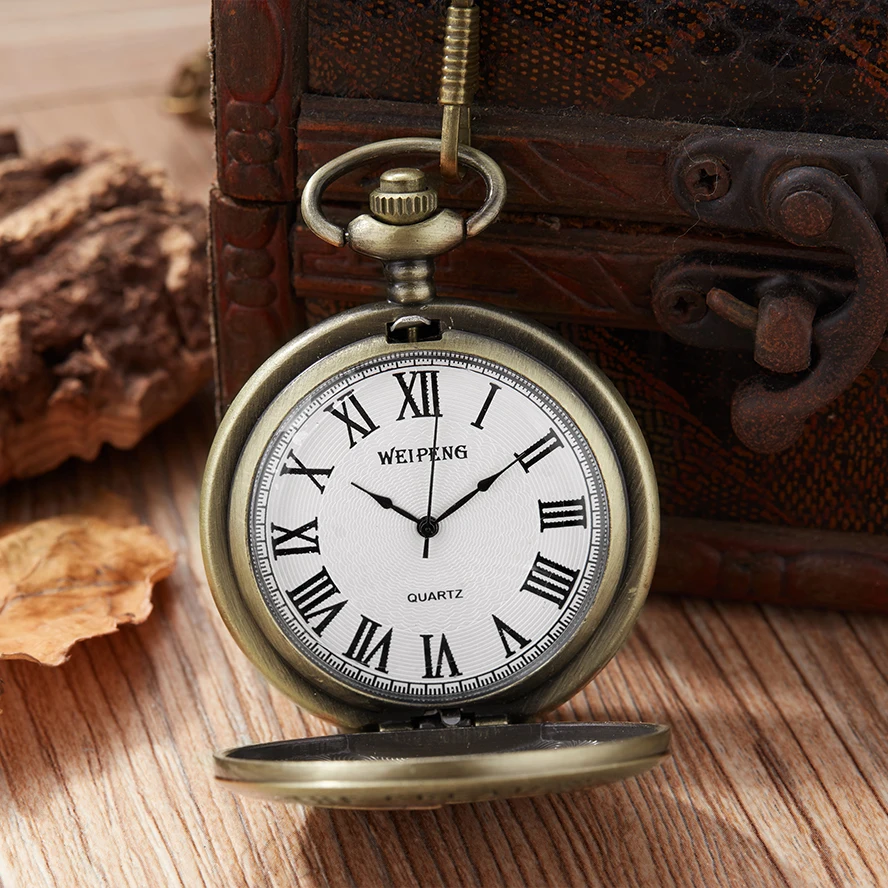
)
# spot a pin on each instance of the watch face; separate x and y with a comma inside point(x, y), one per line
point(428, 527)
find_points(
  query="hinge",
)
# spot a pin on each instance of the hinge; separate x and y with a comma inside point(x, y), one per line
point(437, 719)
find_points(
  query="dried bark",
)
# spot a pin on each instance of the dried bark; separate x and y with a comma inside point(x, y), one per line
point(103, 304)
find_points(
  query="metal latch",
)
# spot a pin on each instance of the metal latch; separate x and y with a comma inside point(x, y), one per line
point(812, 331)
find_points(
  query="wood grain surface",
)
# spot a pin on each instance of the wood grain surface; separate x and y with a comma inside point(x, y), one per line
point(780, 767)
point(777, 778)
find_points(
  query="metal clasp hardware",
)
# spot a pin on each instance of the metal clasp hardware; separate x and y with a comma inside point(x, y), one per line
point(459, 80)
point(816, 326)
point(783, 324)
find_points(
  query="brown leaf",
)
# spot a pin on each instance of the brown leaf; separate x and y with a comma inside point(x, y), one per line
point(70, 578)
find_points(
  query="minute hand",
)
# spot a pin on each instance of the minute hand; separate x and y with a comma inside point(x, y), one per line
point(483, 484)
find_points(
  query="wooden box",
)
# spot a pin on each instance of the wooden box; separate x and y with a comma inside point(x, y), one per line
point(603, 117)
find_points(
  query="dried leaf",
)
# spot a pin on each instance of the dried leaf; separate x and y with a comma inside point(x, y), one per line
point(70, 578)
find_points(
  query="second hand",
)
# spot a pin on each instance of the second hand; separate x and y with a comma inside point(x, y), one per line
point(428, 518)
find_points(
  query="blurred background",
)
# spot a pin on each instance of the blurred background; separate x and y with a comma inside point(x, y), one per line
point(100, 69)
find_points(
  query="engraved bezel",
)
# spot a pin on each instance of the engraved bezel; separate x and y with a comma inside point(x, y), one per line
point(349, 339)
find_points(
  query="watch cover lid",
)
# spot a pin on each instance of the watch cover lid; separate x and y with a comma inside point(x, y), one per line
point(430, 767)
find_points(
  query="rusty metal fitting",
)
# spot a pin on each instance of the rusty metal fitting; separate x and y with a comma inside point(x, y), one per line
point(706, 178)
point(783, 323)
point(680, 304)
point(806, 213)
point(726, 305)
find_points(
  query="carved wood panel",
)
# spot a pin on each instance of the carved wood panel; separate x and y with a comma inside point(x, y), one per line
point(253, 307)
point(258, 82)
point(748, 562)
point(580, 165)
point(551, 269)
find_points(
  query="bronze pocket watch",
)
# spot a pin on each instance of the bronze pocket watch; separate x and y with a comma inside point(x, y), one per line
point(429, 520)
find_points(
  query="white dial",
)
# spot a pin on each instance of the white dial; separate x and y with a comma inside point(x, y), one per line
point(428, 527)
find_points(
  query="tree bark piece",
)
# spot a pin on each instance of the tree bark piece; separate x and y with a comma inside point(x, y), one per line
point(103, 304)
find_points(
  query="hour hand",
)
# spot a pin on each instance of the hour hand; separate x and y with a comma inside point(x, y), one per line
point(483, 484)
point(386, 503)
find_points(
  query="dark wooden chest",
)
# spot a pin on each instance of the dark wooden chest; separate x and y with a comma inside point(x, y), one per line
point(697, 199)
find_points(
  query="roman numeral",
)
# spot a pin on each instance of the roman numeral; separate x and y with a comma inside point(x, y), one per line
point(537, 451)
point(310, 600)
point(351, 423)
point(562, 513)
point(504, 630)
point(444, 652)
point(299, 468)
point(550, 580)
point(360, 649)
point(494, 388)
point(422, 400)
point(281, 536)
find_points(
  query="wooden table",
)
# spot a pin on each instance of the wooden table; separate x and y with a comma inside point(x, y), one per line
point(780, 767)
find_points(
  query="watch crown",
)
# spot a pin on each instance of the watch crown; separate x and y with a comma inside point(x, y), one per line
point(403, 196)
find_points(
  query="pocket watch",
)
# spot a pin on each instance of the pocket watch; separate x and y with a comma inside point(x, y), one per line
point(429, 521)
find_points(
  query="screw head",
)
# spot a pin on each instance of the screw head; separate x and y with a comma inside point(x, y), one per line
point(404, 196)
point(706, 178)
point(682, 304)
